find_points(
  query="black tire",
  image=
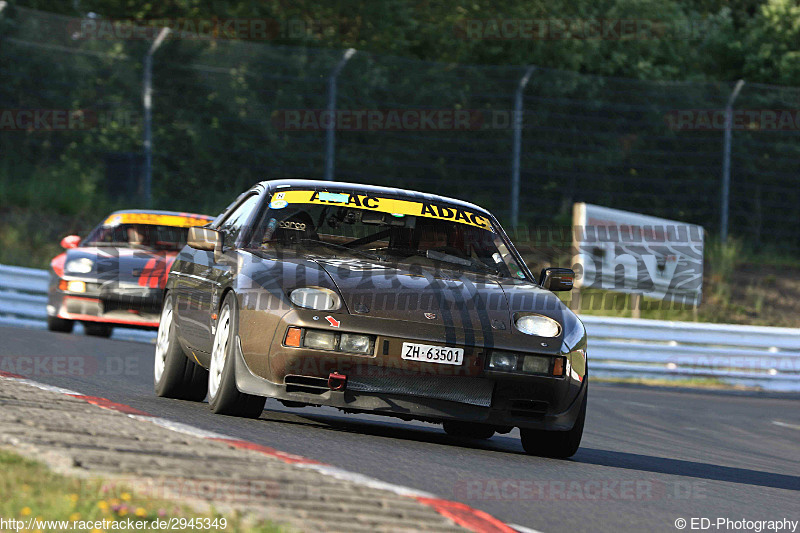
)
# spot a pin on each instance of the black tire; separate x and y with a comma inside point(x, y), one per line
point(174, 374)
point(59, 324)
point(223, 396)
point(556, 444)
point(98, 330)
point(468, 430)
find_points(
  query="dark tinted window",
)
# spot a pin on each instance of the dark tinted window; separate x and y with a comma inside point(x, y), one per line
point(141, 235)
point(235, 222)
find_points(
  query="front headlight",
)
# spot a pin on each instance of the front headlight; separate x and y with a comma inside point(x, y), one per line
point(539, 325)
point(76, 286)
point(506, 361)
point(320, 340)
point(533, 364)
point(83, 265)
point(315, 298)
point(351, 342)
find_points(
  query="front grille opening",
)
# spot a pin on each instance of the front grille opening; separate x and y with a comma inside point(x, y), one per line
point(529, 408)
point(308, 384)
point(141, 306)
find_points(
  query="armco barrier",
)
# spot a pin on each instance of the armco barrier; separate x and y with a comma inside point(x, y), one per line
point(758, 356)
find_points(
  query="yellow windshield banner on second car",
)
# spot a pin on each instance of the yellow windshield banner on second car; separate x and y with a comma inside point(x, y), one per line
point(392, 206)
point(157, 219)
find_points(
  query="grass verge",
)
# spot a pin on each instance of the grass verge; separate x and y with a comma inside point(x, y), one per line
point(29, 490)
point(692, 383)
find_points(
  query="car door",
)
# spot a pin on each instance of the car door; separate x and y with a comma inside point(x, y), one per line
point(213, 272)
point(190, 278)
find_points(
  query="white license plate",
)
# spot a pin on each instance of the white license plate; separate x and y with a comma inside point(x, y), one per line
point(432, 354)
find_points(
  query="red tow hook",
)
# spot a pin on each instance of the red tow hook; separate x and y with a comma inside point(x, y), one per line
point(337, 381)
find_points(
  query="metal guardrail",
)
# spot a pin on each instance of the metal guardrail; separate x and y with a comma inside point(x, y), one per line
point(754, 356)
point(758, 356)
point(28, 280)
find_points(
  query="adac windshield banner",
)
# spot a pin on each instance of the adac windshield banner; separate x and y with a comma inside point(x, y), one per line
point(157, 219)
point(392, 206)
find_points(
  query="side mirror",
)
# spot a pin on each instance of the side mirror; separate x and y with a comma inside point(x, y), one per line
point(557, 279)
point(201, 238)
point(70, 241)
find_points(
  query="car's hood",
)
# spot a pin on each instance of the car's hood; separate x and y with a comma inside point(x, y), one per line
point(143, 267)
point(423, 295)
point(411, 294)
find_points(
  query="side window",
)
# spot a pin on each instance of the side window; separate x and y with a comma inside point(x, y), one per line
point(235, 222)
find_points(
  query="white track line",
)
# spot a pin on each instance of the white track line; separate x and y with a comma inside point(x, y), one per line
point(785, 425)
point(523, 529)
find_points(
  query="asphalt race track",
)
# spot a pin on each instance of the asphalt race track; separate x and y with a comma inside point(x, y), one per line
point(648, 457)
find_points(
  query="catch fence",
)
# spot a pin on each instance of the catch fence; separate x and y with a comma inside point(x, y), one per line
point(228, 113)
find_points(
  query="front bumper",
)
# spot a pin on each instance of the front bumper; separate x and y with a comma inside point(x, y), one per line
point(108, 302)
point(384, 383)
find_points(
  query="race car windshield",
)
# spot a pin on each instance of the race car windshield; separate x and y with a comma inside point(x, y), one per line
point(340, 232)
point(138, 235)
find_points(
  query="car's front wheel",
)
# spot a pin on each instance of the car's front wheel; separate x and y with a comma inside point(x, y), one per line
point(223, 396)
point(557, 444)
point(468, 430)
point(59, 324)
point(174, 374)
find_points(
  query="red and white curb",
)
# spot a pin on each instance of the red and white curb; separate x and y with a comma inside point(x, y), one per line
point(462, 514)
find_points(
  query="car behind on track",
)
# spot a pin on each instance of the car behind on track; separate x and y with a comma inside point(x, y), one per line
point(373, 300)
point(117, 274)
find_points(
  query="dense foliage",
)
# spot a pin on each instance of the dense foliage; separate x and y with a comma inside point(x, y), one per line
point(690, 39)
point(596, 109)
